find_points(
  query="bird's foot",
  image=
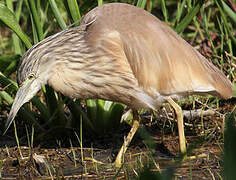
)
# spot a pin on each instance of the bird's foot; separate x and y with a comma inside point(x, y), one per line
point(94, 160)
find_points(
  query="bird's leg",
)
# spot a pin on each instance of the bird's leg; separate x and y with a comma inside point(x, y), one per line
point(180, 122)
point(134, 128)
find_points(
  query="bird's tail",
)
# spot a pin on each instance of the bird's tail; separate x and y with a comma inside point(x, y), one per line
point(223, 87)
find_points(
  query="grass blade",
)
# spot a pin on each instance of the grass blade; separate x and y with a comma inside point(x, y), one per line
point(8, 18)
point(74, 10)
point(57, 14)
point(36, 19)
point(225, 21)
point(141, 3)
point(229, 11)
point(100, 2)
point(188, 18)
point(230, 146)
point(16, 40)
point(164, 11)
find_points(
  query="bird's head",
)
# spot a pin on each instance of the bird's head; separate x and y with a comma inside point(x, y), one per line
point(31, 75)
point(39, 65)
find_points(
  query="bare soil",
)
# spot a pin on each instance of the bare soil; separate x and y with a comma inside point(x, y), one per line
point(63, 158)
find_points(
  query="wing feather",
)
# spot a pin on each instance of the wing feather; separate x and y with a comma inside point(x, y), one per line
point(158, 57)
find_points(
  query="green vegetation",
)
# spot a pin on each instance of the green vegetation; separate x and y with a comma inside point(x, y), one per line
point(210, 26)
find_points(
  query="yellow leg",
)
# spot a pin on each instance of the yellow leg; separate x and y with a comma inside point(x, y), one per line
point(134, 128)
point(180, 122)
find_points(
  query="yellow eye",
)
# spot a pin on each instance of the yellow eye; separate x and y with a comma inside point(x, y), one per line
point(31, 76)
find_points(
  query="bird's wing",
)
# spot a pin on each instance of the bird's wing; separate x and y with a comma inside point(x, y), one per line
point(159, 58)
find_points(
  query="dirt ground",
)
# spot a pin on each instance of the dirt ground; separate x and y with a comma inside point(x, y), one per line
point(154, 147)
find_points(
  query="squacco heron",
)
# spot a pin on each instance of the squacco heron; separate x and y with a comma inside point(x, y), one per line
point(120, 53)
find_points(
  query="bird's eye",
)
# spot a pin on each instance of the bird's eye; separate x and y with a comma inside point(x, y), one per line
point(31, 76)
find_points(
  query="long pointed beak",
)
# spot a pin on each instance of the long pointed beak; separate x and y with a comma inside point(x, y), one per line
point(23, 95)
